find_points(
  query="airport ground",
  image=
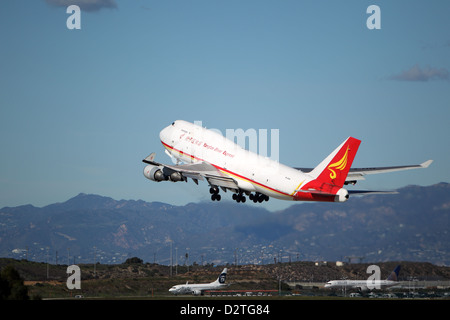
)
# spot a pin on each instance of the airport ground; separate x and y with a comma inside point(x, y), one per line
point(283, 281)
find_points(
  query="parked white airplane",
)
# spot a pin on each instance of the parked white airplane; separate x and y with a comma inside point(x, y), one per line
point(362, 285)
point(208, 155)
point(198, 289)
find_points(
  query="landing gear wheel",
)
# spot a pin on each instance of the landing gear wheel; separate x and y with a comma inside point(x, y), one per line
point(215, 194)
point(239, 197)
point(215, 197)
point(213, 190)
point(258, 197)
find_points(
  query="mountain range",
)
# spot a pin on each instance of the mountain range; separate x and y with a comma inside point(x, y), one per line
point(411, 225)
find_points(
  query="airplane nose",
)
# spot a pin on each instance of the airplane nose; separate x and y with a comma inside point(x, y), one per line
point(164, 134)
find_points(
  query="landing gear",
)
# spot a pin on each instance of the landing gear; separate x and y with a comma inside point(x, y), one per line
point(258, 197)
point(215, 196)
point(239, 197)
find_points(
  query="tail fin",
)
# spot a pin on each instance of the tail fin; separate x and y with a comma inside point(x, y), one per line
point(222, 277)
point(394, 274)
point(333, 169)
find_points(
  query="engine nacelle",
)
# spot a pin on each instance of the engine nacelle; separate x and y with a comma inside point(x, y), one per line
point(176, 176)
point(154, 173)
point(341, 195)
point(197, 292)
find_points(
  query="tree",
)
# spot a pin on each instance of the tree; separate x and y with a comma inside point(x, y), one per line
point(11, 285)
point(134, 260)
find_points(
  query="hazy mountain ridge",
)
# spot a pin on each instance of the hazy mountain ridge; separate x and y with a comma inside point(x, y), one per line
point(411, 225)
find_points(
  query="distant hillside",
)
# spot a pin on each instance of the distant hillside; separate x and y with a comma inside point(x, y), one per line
point(412, 225)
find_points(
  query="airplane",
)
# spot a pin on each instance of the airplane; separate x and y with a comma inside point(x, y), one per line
point(363, 285)
point(198, 289)
point(203, 154)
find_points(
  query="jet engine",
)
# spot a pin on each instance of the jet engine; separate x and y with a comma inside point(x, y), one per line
point(341, 195)
point(176, 176)
point(154, 173)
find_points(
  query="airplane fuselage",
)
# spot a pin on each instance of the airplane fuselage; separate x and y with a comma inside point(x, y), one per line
point(195, 288)
point(362, 284)
point(199, 288)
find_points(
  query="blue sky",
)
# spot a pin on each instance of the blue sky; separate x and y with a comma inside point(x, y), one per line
point(80, 109)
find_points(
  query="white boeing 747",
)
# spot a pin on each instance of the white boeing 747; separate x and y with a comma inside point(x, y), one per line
point(363, 285)
point(198, 289)
point(207, 155)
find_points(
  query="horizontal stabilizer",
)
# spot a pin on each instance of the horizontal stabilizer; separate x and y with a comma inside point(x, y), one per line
point(317, 192)
point(356, 192)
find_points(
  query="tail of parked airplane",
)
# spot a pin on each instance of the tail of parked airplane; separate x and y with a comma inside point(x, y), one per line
point(394, 274)
point(333, 169)
point(222, 277)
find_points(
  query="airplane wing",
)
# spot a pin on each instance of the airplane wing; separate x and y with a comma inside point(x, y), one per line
point(196, 171)
point(359, 173)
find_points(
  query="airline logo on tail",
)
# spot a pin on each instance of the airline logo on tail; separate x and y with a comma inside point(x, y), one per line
point(339, 165)
point(333, 169)
point(394, 274)
point(222, 277)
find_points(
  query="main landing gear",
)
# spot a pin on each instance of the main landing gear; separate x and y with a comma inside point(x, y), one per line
point(258, 197)
point(238, 196)
point(215, 194)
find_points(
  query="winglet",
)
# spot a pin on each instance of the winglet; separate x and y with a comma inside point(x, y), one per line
point(149, 159)
point(426, 164)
